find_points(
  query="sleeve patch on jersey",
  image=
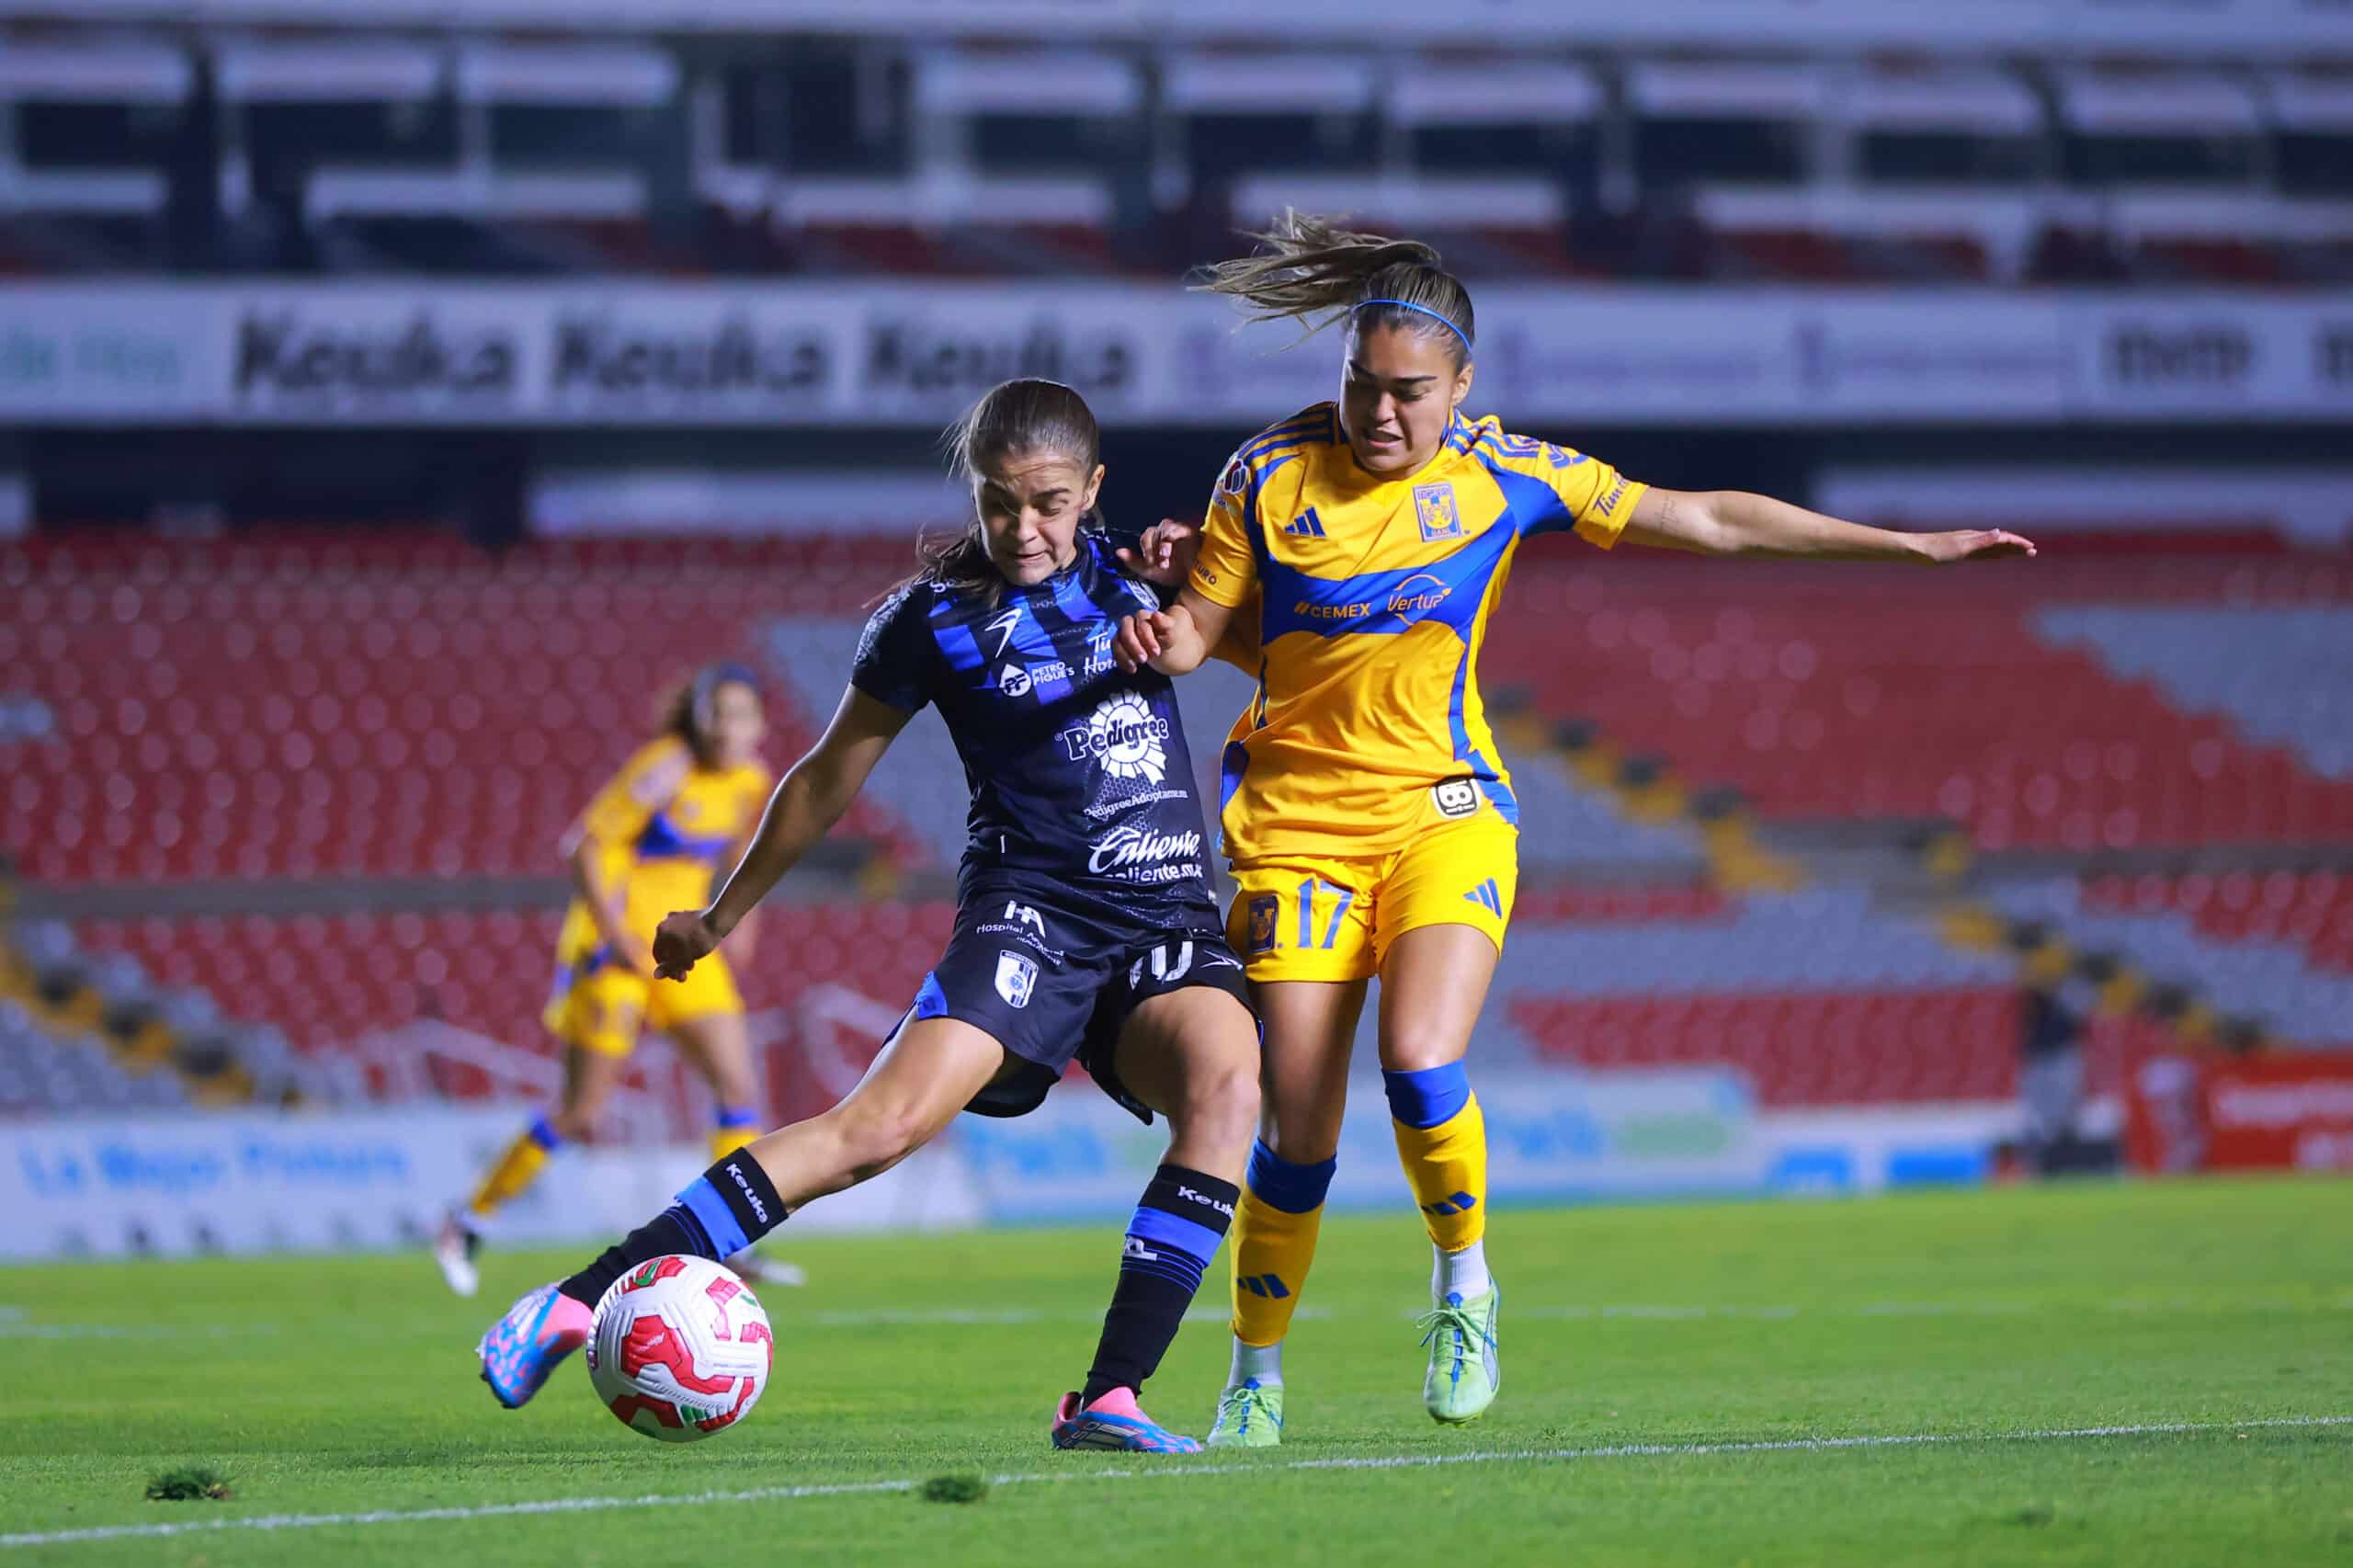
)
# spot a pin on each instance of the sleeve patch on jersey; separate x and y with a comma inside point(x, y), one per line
point(1435, 507)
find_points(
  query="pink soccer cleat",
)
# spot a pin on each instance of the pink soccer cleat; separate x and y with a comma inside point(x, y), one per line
point(1115, 1421)
point(524, 1346)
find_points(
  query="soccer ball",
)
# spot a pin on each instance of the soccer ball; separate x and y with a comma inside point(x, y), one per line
point(681, 1349)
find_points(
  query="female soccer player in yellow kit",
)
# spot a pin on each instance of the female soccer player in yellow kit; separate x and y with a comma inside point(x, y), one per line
point(1370, 820)
point(683, 806)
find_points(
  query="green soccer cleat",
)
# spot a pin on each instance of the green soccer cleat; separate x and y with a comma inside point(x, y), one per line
point(1248, 1416)
point(1464, 1373)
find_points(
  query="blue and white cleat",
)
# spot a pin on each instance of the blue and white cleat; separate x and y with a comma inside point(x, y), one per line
point(525, 1345)
point(1115, 1421)
point(1465, 1371)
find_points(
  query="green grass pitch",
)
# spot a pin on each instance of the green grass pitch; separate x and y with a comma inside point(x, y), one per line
point(1664, 1367)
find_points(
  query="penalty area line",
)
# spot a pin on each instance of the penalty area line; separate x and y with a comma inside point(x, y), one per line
point(1177, 1471)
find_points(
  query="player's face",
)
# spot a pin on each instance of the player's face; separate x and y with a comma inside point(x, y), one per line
point(1030, 504)
point(737, 725)
point(1397, 395)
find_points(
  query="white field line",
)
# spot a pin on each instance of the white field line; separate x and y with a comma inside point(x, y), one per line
point(14, 1324)
point(1163, 1469)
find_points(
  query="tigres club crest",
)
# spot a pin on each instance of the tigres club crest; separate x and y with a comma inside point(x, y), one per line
point(1433, 508)
point(1262, 924)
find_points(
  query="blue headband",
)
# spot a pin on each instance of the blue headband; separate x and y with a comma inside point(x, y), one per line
point(1409, 305)
point(711, 678)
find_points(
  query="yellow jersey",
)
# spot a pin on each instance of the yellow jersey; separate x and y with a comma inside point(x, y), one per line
point(662, 828)
point(1373, 597)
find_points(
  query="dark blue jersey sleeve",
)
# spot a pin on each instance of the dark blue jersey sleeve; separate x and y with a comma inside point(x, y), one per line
point(1118, 537)
point(896, 655)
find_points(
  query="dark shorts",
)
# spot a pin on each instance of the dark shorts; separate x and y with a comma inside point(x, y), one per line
point(1053, 980)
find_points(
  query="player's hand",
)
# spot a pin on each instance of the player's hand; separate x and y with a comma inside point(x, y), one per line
point(683, 939)
point(1165, 554)
point(1973, 544)
point(1142, 637)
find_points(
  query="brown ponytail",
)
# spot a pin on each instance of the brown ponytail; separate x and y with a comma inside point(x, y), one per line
point(1307, 268)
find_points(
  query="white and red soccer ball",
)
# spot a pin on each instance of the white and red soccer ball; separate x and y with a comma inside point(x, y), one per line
point(681, 1349)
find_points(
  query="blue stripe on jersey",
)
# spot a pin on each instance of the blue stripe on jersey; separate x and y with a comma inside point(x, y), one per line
point(1383, 603)
point(1481, 769)
point(1115, 597)
point(663, 841)
point(957, 644)
point(1289, 433)
point(1535, 507)
point(1164, 1229)
point(1260, 476)
point(1232, 765)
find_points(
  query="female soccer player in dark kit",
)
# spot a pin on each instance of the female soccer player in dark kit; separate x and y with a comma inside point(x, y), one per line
point(1085, 926)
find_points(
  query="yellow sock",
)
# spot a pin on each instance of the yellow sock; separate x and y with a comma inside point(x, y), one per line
point(731, 1134)
point(515, 1170)
point(1274, 1242)
point(1442, 1144)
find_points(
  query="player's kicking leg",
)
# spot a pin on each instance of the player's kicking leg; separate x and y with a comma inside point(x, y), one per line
point(720, 1047)
point(1191, 1054)
point(923, 1078)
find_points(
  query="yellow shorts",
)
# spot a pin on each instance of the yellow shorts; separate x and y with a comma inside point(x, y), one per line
point(1334, 920)
point(602, 1008)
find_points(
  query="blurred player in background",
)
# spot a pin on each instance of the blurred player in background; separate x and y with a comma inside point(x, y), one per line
point(649, 843)
point(1085, 926)
point(1369, 818)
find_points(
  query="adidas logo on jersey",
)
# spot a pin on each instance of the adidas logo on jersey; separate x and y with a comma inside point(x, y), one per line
point(1307, 524)
point(1268, 1285)
point(1488, 897)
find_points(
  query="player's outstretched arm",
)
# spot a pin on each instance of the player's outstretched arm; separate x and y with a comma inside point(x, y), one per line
point(1735, 522)
point(806, 803)
point(1173, 641)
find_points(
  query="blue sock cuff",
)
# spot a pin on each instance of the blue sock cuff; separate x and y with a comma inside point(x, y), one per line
point(1427, 1098)
point(718, 1221)
point(1279, 1184)
point(730, 1116)
point(544, 1134)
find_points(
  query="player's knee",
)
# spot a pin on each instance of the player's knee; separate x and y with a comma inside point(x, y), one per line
point(1223, 1100)
point(1415, 1049)
point(876, 1137)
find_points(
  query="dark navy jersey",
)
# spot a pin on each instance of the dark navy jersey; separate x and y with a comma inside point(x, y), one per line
point(1077, 770)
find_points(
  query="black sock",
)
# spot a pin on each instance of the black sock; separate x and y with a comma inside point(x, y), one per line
point(1178, 1225)
point(719, 1214)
